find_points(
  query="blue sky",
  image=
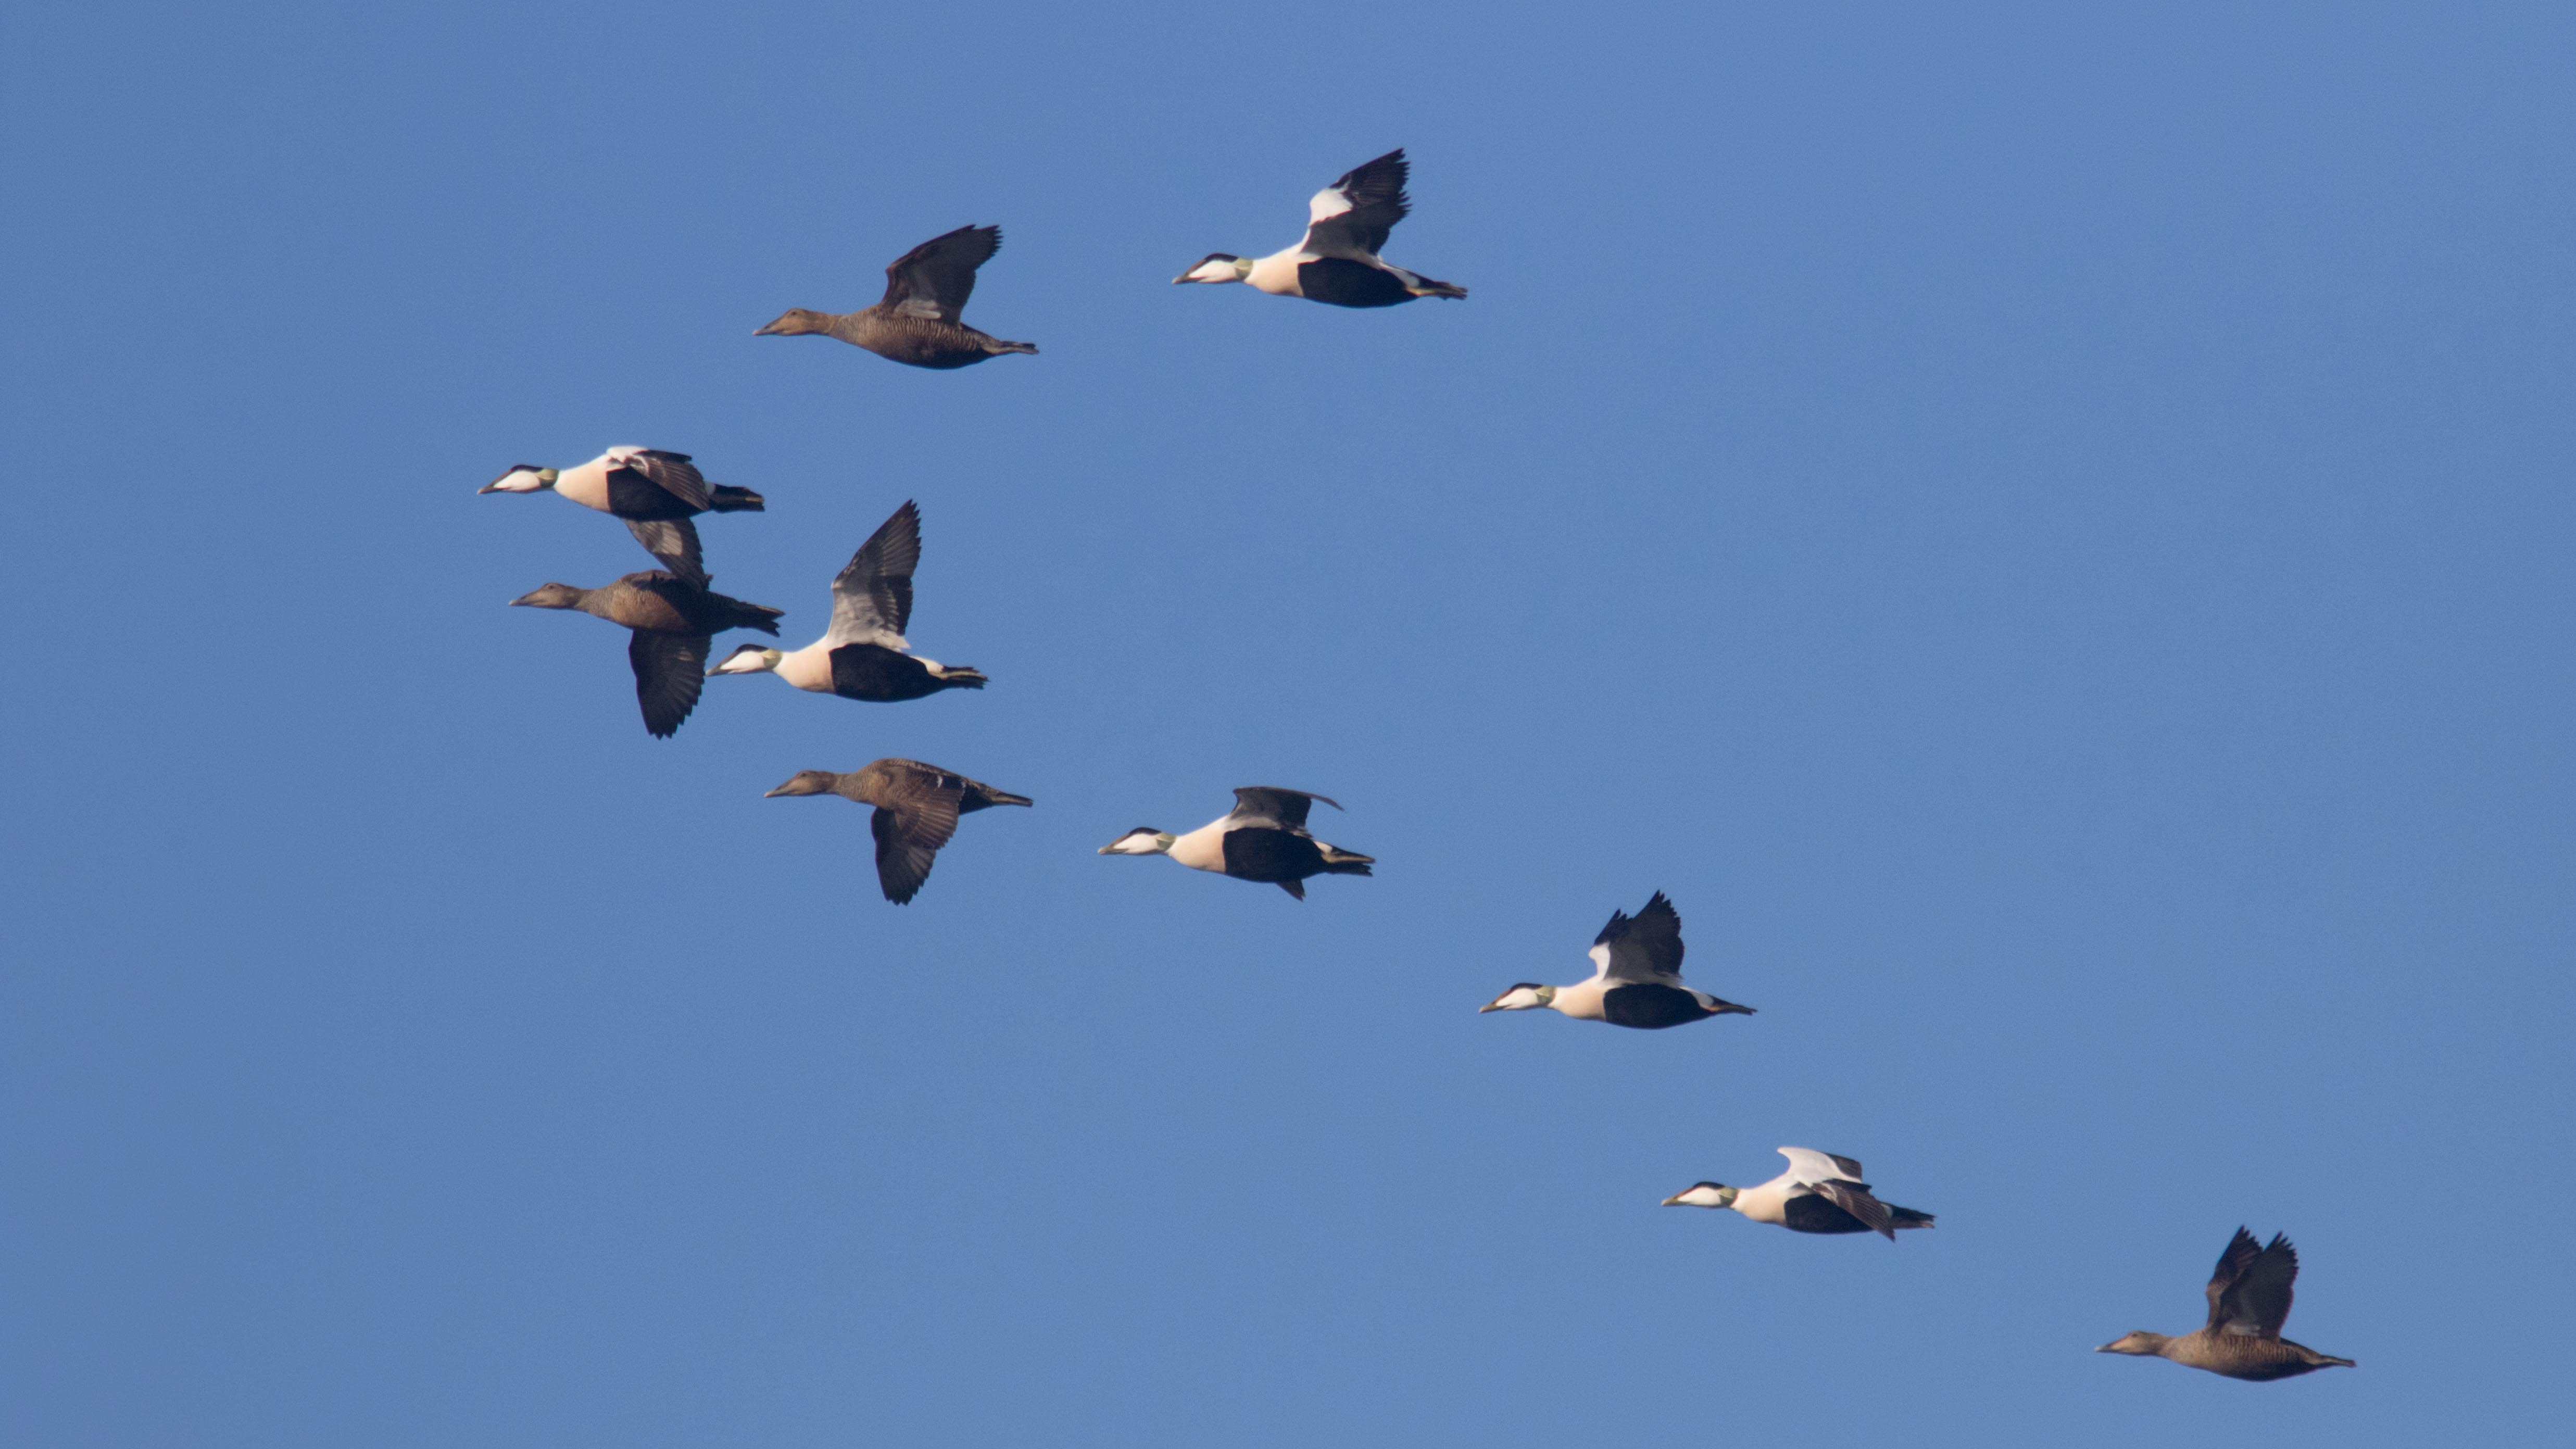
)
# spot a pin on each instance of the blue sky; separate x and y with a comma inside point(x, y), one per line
point(2046, 533)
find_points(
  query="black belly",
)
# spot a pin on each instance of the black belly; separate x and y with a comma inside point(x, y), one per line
point(880, 675)
point(1263, 854)
point(1650, 1007)
point(632, 495)
point(1346, 283)
point(1812, 1214)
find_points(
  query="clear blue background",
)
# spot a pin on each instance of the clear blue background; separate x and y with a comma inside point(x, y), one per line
point(2045, 532)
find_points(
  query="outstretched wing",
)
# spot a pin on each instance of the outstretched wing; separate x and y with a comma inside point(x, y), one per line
point(670, 669)
point(872, 599)
point(935, 278)
point(916, 814)
point(1809, 1166)
point(1646, 947)
point(673, 541)
point(1351, 217)
point(673, 473)
point(2249, 1296)
point(1271, 805)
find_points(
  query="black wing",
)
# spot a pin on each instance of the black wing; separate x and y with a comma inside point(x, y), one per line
point(1854, 1198)
point(872, 597)
point(2255, 1301)
point(1271, 805)
point(674, 474)
point(917, 816)
point(670, 669)
point(1646, 946)
point(935, 278)
point(674, 541)
point(1374, 201)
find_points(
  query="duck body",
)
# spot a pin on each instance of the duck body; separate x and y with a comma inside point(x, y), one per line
point(864, 655)
point(1337, 261)
point(917, 808)
point(2249, 1300)
point(1263, 839)
point(920, 320)
point(1636, 980)
point(1821, 1193)
point(674, 622)
point(654, 491)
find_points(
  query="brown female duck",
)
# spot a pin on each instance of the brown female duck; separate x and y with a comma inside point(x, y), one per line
point(917, 810)
point(674, 622)
point(2249, 1300)
point(917, 322)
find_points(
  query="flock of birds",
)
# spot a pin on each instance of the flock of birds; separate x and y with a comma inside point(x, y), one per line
point(673, 616)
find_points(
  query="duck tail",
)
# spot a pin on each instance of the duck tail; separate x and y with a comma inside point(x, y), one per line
point(754, 616)
point(1426, 287)
point(999, 347)
point(1724, 1007)
point(1005, 797)
point(1908, 1218)
point(725, 498)
point(1338, 861)
point(958, 676)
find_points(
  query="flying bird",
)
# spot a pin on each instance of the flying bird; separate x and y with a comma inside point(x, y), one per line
point(656, 492)
point(673, 623)
point(2249, 1300)
point(1636, 978)
point(1337, 261)
point(1820, 1193)
point(918, 321)
point(917, 810)
point(864, 654)
point(1262, 839)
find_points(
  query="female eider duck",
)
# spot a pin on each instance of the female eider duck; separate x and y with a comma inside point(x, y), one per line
point(674, 621)
point(1820, 1193)
point(1262, 839)
point(863, 655)
point(1636, 979)
point(917, 322)
point(657, 493)
point(917, 810)
point(1337, 262)
point(2249, 1300)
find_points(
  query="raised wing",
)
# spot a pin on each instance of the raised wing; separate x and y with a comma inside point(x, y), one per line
point(935, 278)
point(1854, 1198)
point(2249, 1295)
point(872, 599)
point(673, 473)
point(916, 814)
point(1811, 1167)
point(1646, 947)
point(674, 541)
point(1271, 805)
point(1351, 217)
point(670, 669)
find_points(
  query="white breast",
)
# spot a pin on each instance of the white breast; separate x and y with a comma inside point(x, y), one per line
point(1277, 273)
point(1768, 1203)
point(1582, 1000)
point(586, 485)
point(808, 668)
point(1202, 849)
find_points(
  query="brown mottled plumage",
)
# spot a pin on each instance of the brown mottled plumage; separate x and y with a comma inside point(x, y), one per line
point(918, 321)
point(917, 810)
point(2249, 1300)
point(674, 622)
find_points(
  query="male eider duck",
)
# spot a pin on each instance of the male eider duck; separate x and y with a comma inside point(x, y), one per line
point(1820, 1193)
point(674, 621)
point(917, 810)
point(657, 493)
point(917, 321)
point(1636, 979)
point(1337, 262)
point(2249, 1300)
point(863, 656)
point(1262, 839)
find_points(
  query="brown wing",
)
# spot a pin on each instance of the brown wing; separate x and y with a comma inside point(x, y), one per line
point(674, 541)
point(935, 278)
point(2257, 1301)
point(674, 474)
point(2241, 1252)
point(670, 669)
point(1854, 1198)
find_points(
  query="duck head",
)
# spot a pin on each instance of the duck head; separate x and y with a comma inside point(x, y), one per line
point(551, 596)
point(749, 659)
point(806, 782)
point(1143, 840)
point(2143, 1343)
point(1703, 1194)
point(1525, 996)
point(522, 478)
point(796, 322)
point(1219, 267)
